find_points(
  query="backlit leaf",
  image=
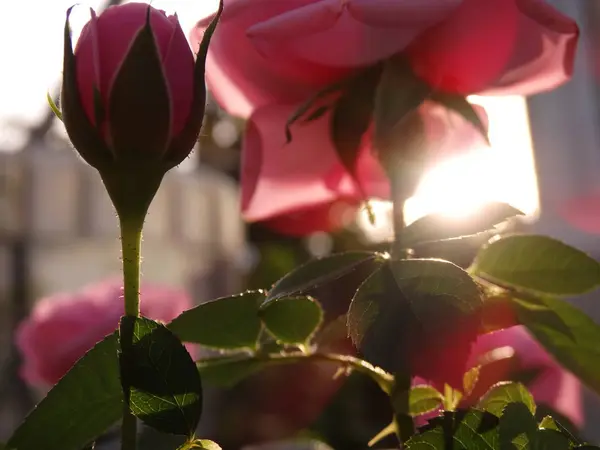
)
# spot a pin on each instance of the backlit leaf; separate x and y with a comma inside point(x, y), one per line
point(160, 376)
point(292, 320)
point(435, 227)
point(538, 263)
point(477, 428)
point(225, 323)
point(574, 344)
point(504, 393)
point(320, 271)
point(80, 407)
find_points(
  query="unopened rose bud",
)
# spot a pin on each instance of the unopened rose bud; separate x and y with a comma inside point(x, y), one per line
point(132, 98)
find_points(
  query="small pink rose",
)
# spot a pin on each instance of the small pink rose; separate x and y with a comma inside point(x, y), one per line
point(63, 327)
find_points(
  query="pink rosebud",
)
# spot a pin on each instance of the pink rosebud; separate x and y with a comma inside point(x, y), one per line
point(63, 327)
point(132, 98)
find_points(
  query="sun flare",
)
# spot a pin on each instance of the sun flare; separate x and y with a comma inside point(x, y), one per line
point(460, 186)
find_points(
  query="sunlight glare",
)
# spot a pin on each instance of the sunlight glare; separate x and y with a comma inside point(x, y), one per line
point(458, 187)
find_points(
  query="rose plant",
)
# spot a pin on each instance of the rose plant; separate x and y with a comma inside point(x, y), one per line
point(375, 89)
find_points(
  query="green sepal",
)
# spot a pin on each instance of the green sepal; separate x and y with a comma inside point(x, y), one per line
point(131, 189)
point(140, 133)
point(184, 142)
point(83, 134)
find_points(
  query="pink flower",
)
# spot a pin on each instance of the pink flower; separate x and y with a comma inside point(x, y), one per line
point(583, 212)
point(553, 387)
point(302, 187)
point(131, 88)
point(63, 327)
point(269, 56)
point(268, 51)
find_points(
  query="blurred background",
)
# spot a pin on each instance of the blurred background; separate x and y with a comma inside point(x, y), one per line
point(58, 231)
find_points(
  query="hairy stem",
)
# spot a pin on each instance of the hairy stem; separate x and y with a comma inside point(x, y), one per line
point(131, 238)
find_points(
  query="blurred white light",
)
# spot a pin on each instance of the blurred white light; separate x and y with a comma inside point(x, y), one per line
point(225, 133)
point(382, 229)
point(319, 244)
point(459, 186)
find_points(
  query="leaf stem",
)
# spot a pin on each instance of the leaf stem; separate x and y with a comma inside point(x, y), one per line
point(384, 379)
point(400, 191)
point(131, 238)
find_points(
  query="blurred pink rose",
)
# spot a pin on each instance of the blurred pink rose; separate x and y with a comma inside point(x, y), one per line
point(583, 212)
point(63, 327)
point(281, 51)
point(554, 386)
point(303, 186)
point(269, 56)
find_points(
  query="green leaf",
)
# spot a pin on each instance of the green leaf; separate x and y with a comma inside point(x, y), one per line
point(575, 346)
point(160, 376)
point(408, 305)
point(200, 444)
point(467, 430)
point(423, 399)
point(504, 393)
point(434, 288)
point(548, 423)
point(225, 323)
point(470, 380)
point(385, 432)
point(80, 407)
point(436, 227)
point(292, 320)
point(518, 427)
point(320, 271)
point(519, 430)
point(551, 440)
point(226, 372)
point(462, 106)
point(538, 263)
